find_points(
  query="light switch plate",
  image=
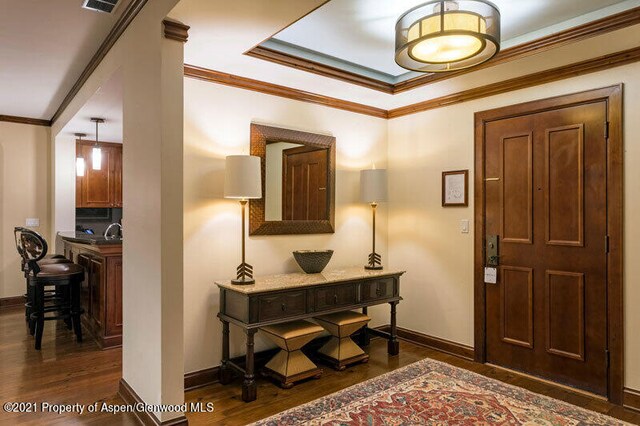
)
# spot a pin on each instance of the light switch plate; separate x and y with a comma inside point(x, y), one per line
point(32, 222)
point(464, 226)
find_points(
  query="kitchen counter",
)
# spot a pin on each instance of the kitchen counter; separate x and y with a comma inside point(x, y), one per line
point(101, 291)
point(84, 238)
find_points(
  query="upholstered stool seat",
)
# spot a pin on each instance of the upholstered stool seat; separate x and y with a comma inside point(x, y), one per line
point(340, 350)
point(290, 364)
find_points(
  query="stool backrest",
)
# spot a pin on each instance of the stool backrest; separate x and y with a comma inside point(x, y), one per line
point(31, 246)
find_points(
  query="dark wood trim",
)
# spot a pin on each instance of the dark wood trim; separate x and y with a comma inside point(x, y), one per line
point(590, 29)
point(130, 396)
point(260, 136)
point(118, 29)
point(303, 64)
point(10, 302)
point(25, 120)
point(632, 399)
point(436, 343)
point(567, 71)
point(615, 306)
point(200, 378)
point(282, 91)
point(176, 30)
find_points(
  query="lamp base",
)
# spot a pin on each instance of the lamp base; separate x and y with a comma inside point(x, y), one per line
point(373, 267)
point(243, 281)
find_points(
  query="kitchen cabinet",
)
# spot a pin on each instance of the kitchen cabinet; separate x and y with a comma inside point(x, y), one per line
point(101, 290)
point(100, 188)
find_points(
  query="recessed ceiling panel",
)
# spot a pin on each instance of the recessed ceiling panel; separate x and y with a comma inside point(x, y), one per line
point(360, 33)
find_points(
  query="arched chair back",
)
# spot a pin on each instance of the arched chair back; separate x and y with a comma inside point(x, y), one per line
point(31, 246)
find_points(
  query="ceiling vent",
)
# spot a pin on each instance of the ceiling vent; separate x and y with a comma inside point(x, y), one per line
point(106, 6)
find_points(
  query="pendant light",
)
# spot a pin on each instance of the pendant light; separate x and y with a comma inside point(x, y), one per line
point(80, 164)
point(441, 36)
point(96, 153)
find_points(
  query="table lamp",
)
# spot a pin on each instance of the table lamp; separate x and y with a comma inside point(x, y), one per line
point(242, 181)
point(373, 189)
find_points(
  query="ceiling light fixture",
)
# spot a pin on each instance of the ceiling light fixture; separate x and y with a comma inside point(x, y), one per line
point(441, 36)
point(96, 153)
point(80, 164)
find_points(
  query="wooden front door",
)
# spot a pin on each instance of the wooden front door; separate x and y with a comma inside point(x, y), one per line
point(546, 201)
point(304, 184)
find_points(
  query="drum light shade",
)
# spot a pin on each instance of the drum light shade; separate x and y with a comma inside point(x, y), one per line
point(441, 36)
point(242, 177)
point(373, 185)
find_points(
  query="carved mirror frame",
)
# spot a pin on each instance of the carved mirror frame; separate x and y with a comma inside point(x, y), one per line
point(261, 135)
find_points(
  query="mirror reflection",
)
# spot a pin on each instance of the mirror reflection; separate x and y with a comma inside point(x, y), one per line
point(296, 182)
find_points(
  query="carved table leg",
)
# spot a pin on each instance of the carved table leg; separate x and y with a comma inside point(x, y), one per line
point(364, 337)
point(249, 387)
point(225, 372)
point(393, 346)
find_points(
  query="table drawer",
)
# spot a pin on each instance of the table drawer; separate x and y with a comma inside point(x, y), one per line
point(334, 296)
point(281, 305)
point(378, 289)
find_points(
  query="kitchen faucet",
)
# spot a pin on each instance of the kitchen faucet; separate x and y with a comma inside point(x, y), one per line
point(106, 232)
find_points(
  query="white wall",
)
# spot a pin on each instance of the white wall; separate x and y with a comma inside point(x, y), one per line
point(217, 120)
point(424, 238)
point(152, 171)
point(24, 193)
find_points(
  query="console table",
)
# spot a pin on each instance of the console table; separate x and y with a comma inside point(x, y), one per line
point(281, 298)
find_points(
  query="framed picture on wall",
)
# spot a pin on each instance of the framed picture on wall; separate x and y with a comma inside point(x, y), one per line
point(455, 188)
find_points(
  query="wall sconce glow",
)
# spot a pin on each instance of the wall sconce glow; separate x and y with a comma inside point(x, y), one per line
point(96, 158)
point(450, 35)
point(96, 153)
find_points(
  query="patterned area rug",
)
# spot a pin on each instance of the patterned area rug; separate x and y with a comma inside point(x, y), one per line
point(430, 392)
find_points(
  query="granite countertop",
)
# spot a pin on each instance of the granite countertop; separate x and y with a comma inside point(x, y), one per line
point(84, 238)
point(300, 279)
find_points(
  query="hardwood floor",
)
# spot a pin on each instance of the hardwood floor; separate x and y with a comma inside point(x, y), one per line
point(68, 372)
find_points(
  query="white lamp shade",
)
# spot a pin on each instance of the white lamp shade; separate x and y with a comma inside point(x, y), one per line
point(242, 177)
point(373, 185)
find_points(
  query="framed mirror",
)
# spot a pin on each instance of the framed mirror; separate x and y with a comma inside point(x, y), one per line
point(298, 182)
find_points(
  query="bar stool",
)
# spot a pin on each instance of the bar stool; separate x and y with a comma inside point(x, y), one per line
point(340, 350)
point(34, 253)
point(66, 279)
point(290, 364)
point(52, 286)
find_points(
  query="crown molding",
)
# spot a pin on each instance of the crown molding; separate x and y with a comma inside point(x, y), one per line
point(118, 29)
point(319, 69)
point(560, 73)
point(591, 29)
point(599, 63)
point(281, 91)
point(25, 120)
point(176, 30)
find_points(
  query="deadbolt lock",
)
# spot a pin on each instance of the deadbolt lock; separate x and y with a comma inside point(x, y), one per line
point(491, 251)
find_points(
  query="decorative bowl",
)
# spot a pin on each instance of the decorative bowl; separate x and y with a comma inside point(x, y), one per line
point(312, 261)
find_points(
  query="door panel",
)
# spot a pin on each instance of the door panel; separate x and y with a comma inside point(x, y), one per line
point(305, 184)
point(564, 293)
point(517, 306)
point(517, 194)
point(545, 197)
point(564, 171)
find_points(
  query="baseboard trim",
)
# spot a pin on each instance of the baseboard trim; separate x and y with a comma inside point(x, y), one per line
point(436, 343)
point(130, 396)
point(10, 302)
point(198, 379)
point(631, 399)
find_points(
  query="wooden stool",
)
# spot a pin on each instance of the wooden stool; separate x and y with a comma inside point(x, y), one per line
point(290, 364)
point(341, 351)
